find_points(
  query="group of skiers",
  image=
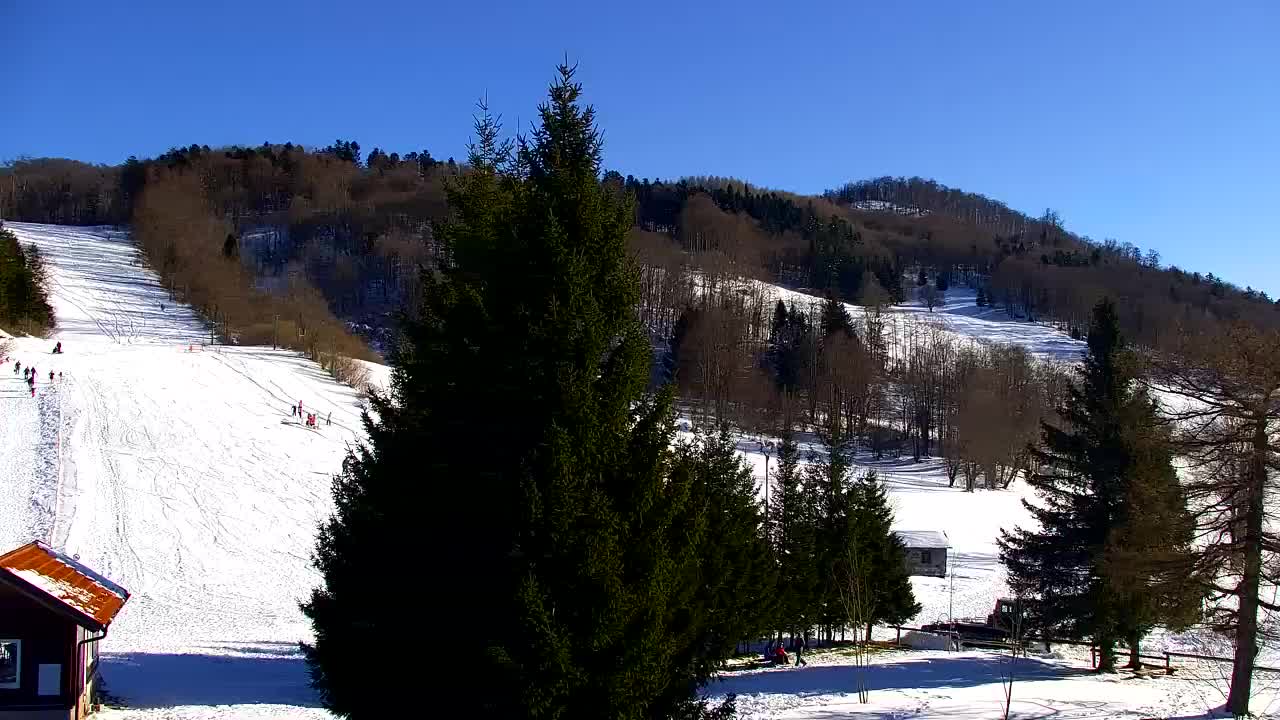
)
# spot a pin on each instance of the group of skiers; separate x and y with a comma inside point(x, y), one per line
point(310, 418)
point(29, 374)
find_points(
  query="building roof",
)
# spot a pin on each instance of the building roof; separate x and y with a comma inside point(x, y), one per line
point(64, 584)
point(923, 538)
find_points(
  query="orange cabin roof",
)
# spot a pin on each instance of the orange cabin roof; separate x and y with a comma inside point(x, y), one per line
point(39, 569)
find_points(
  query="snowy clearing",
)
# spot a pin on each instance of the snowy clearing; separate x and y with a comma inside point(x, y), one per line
point(957, 313)
point(968, 686)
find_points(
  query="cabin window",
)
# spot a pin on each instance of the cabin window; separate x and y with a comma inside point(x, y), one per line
point(926, 557)
point(10, 663)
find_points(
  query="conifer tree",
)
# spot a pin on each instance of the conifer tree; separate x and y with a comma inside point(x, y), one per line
point(738, 578)
point(793, 526)
point(1100, 470)
point(778, 325)
point(826, 487)
point(793, 339)
point(518, 488)
point(1150, 559)
point(671, 361)
point(887, 583)
point(835, 318)
point(24, 303)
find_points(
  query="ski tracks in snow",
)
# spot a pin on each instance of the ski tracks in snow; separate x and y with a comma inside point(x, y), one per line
point(177, 480)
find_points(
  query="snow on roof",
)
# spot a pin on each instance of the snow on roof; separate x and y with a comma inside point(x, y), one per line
point(923, 538)
point(64, 579)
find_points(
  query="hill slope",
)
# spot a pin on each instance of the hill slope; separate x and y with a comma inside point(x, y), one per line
point(178, 472)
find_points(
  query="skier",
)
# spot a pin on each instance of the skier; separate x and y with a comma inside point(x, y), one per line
point(17, 365)
point(293, 410)
point(329, 420)
point(299, 408)
point(59, 376)
point(50, 376)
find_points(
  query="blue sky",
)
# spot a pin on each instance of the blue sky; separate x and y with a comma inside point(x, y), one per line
point(1153, 123)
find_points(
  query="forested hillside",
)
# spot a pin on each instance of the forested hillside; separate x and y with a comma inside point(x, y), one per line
point(333, 237)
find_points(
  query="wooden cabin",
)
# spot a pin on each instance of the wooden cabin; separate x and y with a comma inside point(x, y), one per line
point(53, 614)
point(926, 551)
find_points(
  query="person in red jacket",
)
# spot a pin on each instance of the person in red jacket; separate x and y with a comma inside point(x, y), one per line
point(780, 656)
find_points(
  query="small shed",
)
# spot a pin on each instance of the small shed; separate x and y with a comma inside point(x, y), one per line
point(53, 613)
point(926, 551)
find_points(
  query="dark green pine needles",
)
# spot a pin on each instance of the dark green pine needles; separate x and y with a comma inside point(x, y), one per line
point(1112, 556)
point(519, 532)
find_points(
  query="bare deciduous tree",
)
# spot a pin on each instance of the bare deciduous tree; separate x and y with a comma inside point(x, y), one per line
point(1224, 392)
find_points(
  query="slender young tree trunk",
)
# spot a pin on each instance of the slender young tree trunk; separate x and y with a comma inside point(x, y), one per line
point(1135, 640)
point(1247, 619)
point(1106, 654)
point(868, 632)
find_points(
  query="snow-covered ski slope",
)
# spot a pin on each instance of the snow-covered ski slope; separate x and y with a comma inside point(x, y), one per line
point(178, 471)
point(959, 314)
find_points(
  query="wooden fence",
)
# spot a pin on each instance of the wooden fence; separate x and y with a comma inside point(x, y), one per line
point(1166, 658)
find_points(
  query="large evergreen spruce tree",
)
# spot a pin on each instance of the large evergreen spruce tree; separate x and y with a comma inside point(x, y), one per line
point(1112, 518)
point(886, 581)
point(1150, 559)
point(514, 528)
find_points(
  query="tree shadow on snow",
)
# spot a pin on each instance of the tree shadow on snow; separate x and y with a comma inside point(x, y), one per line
point(959, 672)
point(269, 676)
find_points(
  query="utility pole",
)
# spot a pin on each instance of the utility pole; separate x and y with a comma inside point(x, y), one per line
point(951, 602)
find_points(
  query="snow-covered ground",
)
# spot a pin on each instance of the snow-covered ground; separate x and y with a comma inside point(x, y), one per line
point(183, 476)
point(968, 686)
